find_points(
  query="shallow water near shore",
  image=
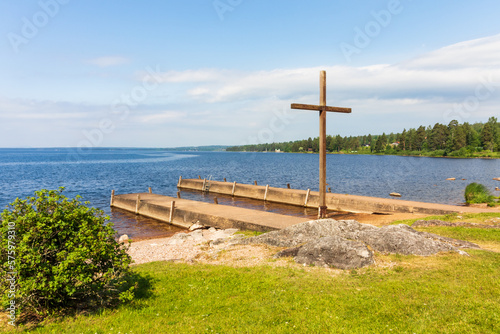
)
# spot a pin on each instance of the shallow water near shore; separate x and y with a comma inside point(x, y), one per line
point(94, 173)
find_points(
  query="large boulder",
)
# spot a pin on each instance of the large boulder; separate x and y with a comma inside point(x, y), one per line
point(402, 239)
point(346, 244)
point(302, 233)
point(335, 252)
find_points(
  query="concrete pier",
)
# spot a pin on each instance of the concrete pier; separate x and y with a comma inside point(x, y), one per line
point(337, 202)
point(184, 213)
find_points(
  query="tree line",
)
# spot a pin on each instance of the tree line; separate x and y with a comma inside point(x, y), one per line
point(453, 139)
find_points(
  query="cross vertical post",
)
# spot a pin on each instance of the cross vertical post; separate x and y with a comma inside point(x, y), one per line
point(323, 109)
point(322, 146)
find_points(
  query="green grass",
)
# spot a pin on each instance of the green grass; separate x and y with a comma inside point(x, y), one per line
point(471, 234)
point(249, 234)
point(481, 236)
point(447, 293)
point(478, 193)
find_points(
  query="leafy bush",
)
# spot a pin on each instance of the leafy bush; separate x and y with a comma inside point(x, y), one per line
point(478, 193)
point(64, 254)
point(463, 152)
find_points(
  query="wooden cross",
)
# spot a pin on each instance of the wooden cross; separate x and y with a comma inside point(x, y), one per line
point(322, 108)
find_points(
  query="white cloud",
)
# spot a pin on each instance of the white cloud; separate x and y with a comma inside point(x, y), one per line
point(478, 53)
point(162, 117)
point(451, 73)
point(207, 106)
point(108, 61)
point(44, 110)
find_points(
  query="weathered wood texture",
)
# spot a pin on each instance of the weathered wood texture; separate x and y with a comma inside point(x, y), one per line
point(323, 109)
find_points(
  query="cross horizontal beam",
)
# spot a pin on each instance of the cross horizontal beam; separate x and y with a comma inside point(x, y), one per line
point(320, 108)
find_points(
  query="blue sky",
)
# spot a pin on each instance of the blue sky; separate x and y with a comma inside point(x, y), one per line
point(203, 72)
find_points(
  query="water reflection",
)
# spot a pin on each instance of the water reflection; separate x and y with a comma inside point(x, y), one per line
point(140, 227)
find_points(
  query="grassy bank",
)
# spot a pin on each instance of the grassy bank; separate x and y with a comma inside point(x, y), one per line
point(447, 293)
point(462, 154)
point(486, 238)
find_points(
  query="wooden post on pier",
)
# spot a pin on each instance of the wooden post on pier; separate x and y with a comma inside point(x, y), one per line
point(137, 204)
point(216, 201)
point(179, 183)
point(112, 198)
point(172, 208)
point(150, 191)
point(323, 109)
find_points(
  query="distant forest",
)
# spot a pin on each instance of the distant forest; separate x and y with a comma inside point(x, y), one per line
point(453, 140)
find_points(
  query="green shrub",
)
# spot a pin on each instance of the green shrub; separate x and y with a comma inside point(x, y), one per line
point(463, 152)
point(64, 254)
point(478, 193)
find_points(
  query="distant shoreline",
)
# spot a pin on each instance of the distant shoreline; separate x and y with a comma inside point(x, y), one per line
point(374, 154)
point(222, 149)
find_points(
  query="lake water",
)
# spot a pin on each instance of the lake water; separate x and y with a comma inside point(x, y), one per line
point(94, 173)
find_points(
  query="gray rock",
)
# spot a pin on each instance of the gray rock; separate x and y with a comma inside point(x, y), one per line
point(335, 252)
point(302, 233)
point(123, 239)
point(219, 234)
point(289, 252)
point(196, 226)
point(344, 243)
point(217, 242)
point(454, 242)
point(231, 230)
point(197, 235)
point(402, 239)
point(179, 238)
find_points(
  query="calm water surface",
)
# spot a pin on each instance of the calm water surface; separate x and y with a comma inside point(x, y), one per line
point(94, 173)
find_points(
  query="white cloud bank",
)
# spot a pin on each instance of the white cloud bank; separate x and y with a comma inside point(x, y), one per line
point(447, 73)
point(220, 106)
